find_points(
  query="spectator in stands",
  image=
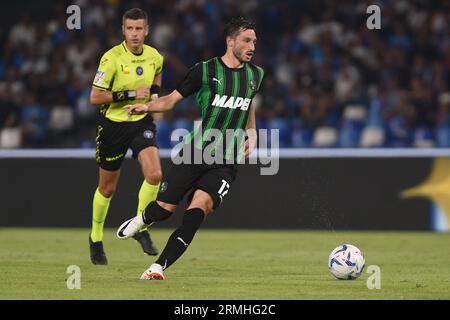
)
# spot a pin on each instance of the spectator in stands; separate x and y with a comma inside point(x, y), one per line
point(35, 117)
point(9, 111)
point(319, 58)
point(400, 119)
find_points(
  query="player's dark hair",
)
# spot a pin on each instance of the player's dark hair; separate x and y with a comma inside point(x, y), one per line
point(135, 14)
point(237, 25)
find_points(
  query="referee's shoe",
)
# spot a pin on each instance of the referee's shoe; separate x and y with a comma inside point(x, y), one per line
point(146, 243)
point(98, 255)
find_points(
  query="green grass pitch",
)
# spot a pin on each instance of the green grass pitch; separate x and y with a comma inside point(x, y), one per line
point(224, 264)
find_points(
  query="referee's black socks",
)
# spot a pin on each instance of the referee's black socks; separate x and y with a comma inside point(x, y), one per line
point(182, 237)
point(154, 213)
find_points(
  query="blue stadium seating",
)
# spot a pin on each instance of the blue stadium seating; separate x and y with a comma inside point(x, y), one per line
point(375, 116)
point(301, 138)
point(424, 137)
point(260, 123)
point(350, 134)
point(164, 130)
point(443, 137)
point(398, 134)
point(284, 127)
point(183, 123)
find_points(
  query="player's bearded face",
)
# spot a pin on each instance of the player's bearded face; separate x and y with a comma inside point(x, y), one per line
point(244, 45)
point(135, 32)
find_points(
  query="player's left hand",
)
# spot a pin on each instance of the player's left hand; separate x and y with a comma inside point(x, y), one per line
point(133, 109)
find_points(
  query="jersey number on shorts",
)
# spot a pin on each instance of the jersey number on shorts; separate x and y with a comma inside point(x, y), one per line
point(224, 188)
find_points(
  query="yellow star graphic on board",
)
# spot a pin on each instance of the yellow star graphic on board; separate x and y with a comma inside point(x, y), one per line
point(436, 187)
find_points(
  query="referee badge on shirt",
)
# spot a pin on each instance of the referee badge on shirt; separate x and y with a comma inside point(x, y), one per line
point(139, 71)
point(99, 76)
point(148, 134)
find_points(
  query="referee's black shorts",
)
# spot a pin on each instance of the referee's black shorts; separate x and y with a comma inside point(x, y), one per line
point(183, 179)
point(115, 138)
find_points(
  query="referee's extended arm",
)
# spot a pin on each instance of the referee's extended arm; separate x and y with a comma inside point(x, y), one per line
point(99, 97)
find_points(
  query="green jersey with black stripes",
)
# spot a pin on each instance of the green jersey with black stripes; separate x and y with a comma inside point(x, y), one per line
point(224, 95)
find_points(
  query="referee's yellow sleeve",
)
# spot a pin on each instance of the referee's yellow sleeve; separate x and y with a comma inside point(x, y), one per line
point(159, 65)
point(105, 72)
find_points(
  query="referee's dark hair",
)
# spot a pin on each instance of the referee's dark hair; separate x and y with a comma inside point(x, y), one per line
point(135, 14)
point(237, 25)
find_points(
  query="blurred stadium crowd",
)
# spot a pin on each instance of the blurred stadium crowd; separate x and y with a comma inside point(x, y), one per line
point(330, 81)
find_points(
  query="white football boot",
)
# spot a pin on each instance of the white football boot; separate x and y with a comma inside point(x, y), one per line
point(155, 272)
point(130, 227)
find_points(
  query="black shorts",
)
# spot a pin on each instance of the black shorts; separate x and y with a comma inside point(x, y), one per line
point(115, 138)
point(183, 179)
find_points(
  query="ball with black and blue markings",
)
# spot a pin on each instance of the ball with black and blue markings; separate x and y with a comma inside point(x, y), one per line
point(346, 262)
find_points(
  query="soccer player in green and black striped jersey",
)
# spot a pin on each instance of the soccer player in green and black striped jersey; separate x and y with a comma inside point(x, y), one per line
point(224, 88)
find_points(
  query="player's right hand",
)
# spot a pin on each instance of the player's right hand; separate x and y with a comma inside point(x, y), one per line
point(133, 109)
point(142, 92)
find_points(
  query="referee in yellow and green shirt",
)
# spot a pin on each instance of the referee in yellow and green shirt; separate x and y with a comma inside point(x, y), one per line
point(128, 73)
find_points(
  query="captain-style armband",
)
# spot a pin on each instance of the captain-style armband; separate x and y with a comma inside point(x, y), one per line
point(124, 95)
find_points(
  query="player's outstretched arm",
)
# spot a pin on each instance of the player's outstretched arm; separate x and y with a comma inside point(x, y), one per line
point(162, 104)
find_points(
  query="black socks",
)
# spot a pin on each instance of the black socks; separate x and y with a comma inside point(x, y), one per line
point(182, 237)
point(154, 213)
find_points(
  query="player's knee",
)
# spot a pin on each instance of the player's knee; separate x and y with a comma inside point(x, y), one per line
point(154, 177)
point(206, 204)
point(107, 190)
point(166, 206)
point(208, 208)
